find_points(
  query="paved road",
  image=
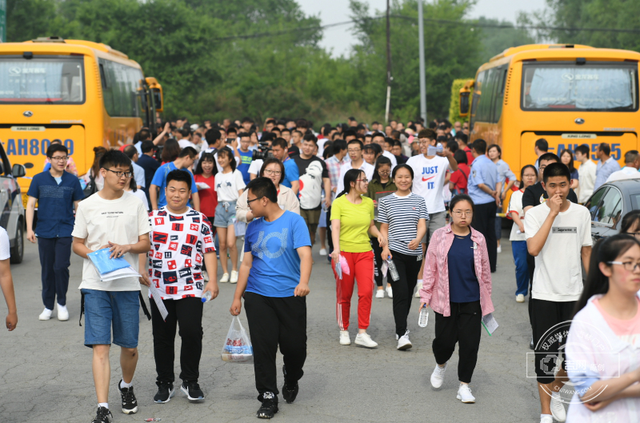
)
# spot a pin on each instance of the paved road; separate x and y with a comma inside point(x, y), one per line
point(46, 371)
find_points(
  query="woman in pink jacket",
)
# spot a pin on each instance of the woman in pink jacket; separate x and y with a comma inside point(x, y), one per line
point(457, 286)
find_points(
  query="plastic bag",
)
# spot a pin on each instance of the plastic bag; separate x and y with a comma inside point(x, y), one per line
point(237, 347)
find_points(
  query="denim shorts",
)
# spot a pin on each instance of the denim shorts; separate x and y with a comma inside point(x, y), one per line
point(225, 214)
point(104, 309)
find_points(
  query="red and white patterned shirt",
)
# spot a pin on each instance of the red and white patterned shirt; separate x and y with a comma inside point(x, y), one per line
point(178, 245)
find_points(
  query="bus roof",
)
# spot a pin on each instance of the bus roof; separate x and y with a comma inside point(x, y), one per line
point(96, 46)
point(529, 47)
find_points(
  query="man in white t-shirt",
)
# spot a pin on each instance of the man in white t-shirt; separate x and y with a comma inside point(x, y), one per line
point(630, 169)
point(116, 220)
point(354, 149)
point(379, 138)
point(558, 235)
point(429, 178)
point(185, 141)
point(586, 173)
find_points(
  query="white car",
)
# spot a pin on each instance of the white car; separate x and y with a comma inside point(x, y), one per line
point(12, 218)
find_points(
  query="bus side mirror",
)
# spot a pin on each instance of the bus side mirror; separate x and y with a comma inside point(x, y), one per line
point(464, 103)
point(18, 171)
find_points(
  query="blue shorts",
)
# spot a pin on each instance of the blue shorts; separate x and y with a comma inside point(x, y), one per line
point(225, 214)
point(104, 309)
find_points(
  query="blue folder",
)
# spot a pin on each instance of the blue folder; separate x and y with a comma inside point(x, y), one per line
point(104, 264)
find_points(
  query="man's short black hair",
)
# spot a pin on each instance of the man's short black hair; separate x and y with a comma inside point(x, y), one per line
point(212, 136)
point(188, 151)
point(56, 147)
point(480, 146)
point(542, 144)
point(452, 146)
point(285, 130)
point(144, 134)
point(244, 135)
point(114, 158)
point(556, 169)
point(462, 137)
point(232, 129)
point(357, 141)
point(605, 148)
point(280, 142)
point(349, 132)
point(185, 132)
point(180, 176)
point(263, 187)
point(147, 146)
point(377, 134)
point(130, 151)
point(583, 149)
point(549, 157)
point(310, 137)
point(339, 145)
point(460, 156)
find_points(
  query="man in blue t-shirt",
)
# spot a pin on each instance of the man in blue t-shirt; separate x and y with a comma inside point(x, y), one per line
point(159, 182)
point(246, 156)
point(280, 151)
point(275, 276)
point(57, 193)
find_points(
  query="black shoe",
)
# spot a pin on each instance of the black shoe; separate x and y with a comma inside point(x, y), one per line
point(269, 406)
point(193, 391)
point(103, 416)
point(165, 392)
point(129, 401)
point(289, 389)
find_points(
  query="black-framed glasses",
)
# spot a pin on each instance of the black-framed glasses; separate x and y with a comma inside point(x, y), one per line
point(120, 174)
point(251, 201)
point(60, 159)
point(629, 266)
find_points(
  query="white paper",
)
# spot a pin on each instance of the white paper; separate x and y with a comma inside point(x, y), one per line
point(489, 323)
point(126, 272)
point(157, 297)
point(202, 185)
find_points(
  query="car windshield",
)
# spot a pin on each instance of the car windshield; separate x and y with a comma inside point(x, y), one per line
point(564, 86)
point(56, 80)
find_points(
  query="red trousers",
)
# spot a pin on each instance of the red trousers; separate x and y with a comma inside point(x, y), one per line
point(361, 266)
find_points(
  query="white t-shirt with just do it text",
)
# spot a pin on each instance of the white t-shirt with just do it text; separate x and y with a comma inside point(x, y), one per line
point(428, 180)
point(558, 273)
point(120, 221)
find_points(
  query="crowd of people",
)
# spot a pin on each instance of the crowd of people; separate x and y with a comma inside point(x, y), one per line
point(410, 209)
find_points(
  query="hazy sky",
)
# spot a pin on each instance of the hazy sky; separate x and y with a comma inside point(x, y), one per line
point(339, 39)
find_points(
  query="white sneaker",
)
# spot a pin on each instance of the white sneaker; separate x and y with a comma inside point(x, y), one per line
point(520, 298)
point(499, 249)
point(404, 343)
point(557, 409)
point(364, 340)
point(63, 313)
point(344, 338)
point(323, 252)
point(418, 288)
point(234, 277)
point(46, 314)
point(379, 293)
point(546, 418)
point(389, 292)
point(464, 394)
point(224, 278)
point(437, 377)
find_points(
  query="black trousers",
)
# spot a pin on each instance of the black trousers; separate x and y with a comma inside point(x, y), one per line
point(187, 312)
point(55, 256)
point(377, 259)
point(464, 327)
point(484, 221)
point(276, 322)
point(408, 268)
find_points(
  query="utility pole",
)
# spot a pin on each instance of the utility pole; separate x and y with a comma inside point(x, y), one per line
point(389, 78)
point(423, 82)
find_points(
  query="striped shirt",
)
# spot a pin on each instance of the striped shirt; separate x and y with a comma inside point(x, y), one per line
point(402, 214)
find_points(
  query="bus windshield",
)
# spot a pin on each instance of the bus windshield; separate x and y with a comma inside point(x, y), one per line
point(54, 80)
point(566, 86)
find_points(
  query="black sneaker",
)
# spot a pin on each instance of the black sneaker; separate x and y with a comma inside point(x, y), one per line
point(193, 391)
point(129, 401)
point(289, 389)
point(103, 416)
point(165, 392)
point(269, 406)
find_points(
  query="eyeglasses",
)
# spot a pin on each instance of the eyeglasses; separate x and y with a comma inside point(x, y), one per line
point(60, 159)
point(251, 201)
point(461, 213)
point(272, 172)
point(354, 150)
point(120, 174)
point(636, 234)
point(427, 141)
point(629, 266)
point(365, 180)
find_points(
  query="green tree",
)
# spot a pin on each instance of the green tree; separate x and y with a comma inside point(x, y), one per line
point(495, 40)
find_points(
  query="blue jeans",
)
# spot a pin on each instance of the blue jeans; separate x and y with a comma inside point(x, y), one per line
point(55, 254)
point(519, 249)
point(104, 310)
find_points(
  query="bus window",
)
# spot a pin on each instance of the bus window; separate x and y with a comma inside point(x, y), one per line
point(567, 86)
point(42, 80)
point(121, 89)
point(499, 100)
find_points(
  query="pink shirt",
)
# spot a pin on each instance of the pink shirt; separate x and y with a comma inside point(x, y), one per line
point(435, 283)
point(627, 330)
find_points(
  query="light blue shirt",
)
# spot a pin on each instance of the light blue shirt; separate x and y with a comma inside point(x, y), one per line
point(483, 171)
point(604, 170)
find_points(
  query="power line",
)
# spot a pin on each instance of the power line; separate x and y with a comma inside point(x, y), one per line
point(431, 20)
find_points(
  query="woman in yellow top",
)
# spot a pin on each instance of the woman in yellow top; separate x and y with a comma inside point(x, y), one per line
point(351, 224)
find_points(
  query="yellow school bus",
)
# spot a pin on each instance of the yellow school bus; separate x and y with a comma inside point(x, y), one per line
point(567, 94)
point(82, 93)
